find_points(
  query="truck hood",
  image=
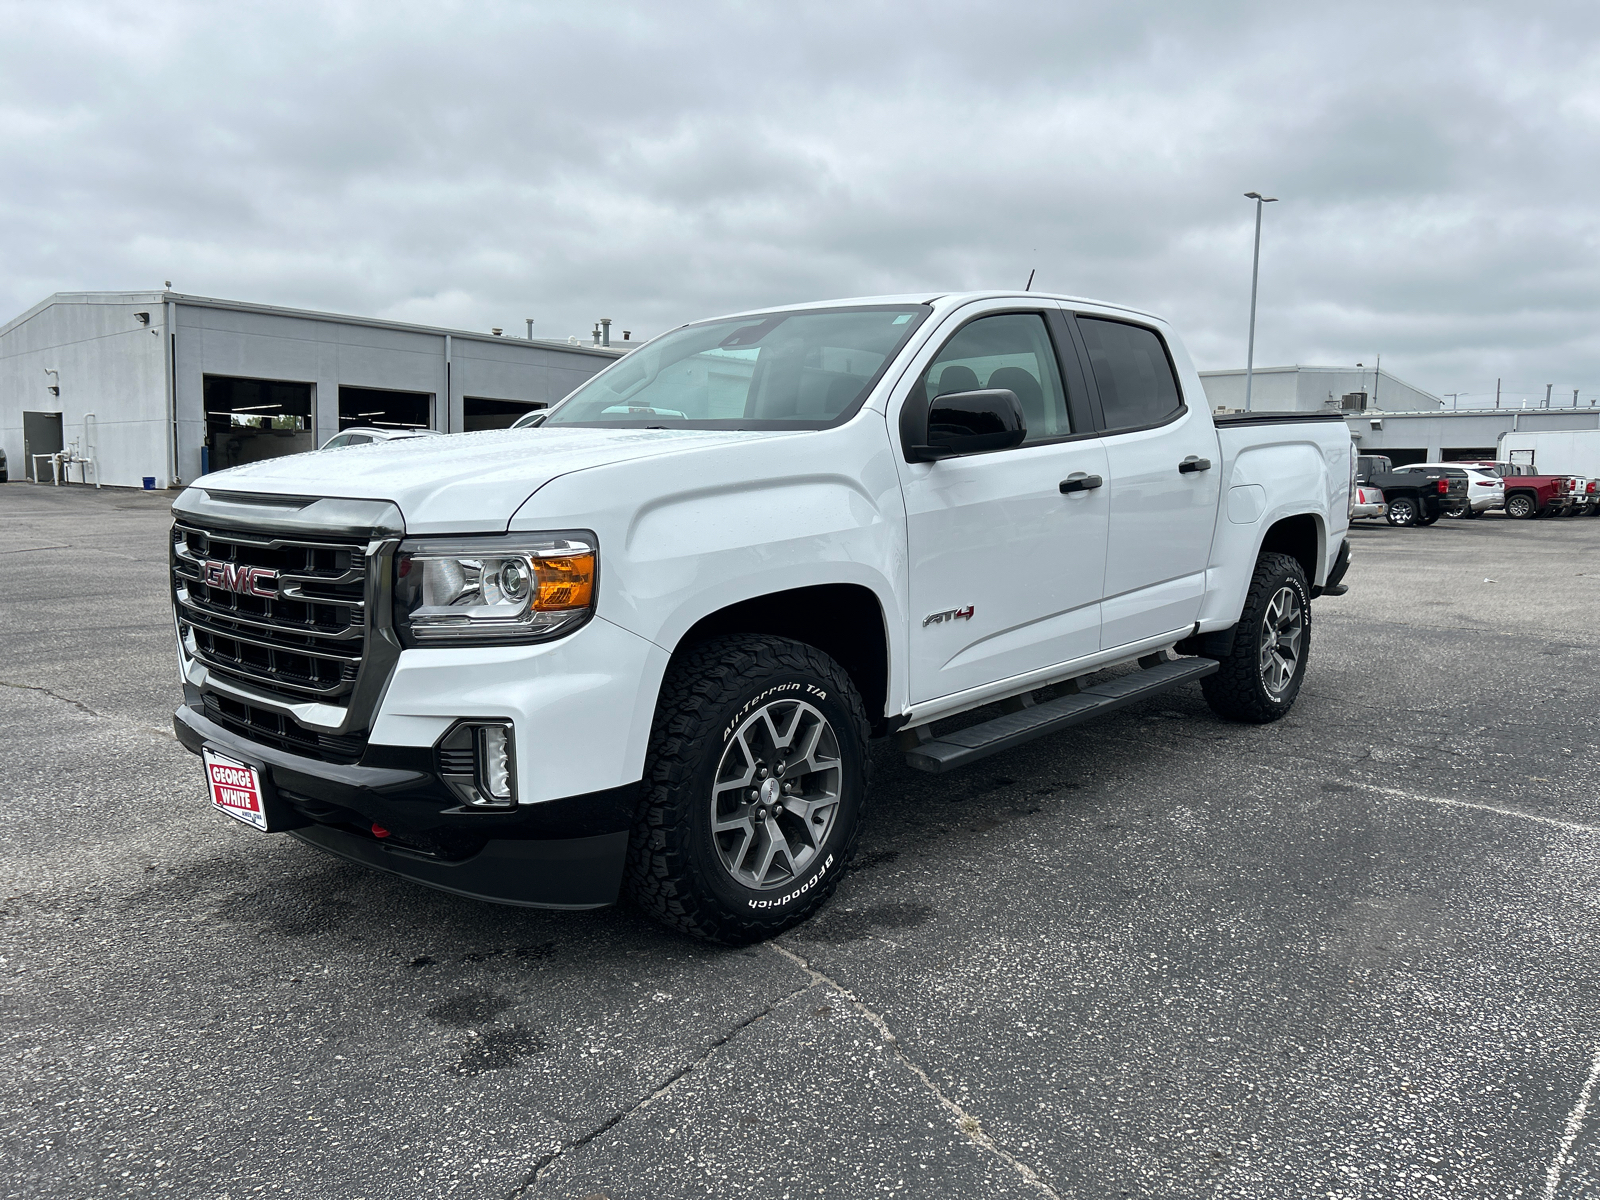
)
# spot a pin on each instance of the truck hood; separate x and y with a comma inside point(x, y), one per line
point(460, 483)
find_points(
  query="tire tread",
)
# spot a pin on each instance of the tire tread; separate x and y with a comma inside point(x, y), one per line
point(1235, 691)
point(699, 684)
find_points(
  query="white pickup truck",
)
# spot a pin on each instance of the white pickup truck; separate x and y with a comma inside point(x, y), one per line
point(641, 648)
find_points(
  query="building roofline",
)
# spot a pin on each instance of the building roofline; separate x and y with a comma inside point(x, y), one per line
point(1306, 368)
point(1383, 414)
point(161, 297)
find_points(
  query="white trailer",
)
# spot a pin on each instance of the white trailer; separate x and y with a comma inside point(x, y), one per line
point(1554, 452)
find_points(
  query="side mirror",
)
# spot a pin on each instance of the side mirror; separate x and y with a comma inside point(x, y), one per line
point(962, 423)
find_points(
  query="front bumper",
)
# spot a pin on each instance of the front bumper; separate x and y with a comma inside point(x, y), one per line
point(567, 852)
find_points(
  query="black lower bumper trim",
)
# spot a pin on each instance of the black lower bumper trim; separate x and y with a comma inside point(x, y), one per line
point(562, 853)
point(565, 873)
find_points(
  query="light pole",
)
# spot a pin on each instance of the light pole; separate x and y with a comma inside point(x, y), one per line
point(1255, 274)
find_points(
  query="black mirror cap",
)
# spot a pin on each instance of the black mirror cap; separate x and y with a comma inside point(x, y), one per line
point(962, 423)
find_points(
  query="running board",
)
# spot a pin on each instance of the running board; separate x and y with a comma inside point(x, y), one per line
point(952, 750)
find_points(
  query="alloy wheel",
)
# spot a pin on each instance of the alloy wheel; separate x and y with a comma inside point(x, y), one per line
point(776, 794)
point(1282, 632)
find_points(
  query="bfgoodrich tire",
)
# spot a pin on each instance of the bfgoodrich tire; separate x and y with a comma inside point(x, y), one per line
point(1261, 676)
point(754, 791)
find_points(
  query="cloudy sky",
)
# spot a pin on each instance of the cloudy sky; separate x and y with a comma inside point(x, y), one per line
point(472, 165)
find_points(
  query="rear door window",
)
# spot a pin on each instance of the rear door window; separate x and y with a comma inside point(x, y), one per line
point(1132, 372)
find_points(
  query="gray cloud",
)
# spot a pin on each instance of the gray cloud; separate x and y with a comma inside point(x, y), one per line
point(476, 164)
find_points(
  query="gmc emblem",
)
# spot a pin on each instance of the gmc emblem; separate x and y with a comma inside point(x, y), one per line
point(237, 577)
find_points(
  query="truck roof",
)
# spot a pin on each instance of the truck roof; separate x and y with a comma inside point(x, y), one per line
point(945, 300)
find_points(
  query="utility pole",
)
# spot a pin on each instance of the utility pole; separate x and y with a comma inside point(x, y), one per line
point(1497, 393)
point(1255, 275)
point(1375, 370)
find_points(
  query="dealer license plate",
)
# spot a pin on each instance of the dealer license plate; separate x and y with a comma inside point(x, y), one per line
point(235, 788)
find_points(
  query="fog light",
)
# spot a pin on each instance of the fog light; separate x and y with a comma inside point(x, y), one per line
point(477, 761)
point(494, 761)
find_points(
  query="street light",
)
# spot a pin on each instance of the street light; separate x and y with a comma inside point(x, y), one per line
point(1255, 273)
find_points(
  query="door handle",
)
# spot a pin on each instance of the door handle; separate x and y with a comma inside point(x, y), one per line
point(1079, 482)
point(1194, 463)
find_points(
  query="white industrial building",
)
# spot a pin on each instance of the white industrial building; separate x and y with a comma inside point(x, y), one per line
point(1387, 415)
point(1315, 389)
point(164, 386)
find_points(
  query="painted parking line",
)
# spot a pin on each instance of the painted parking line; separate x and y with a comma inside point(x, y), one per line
point(1575, 1119)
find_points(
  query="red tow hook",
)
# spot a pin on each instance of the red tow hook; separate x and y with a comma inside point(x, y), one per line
point(379, 831)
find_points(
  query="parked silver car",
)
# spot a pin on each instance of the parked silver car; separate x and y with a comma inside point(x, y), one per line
point(1367, 504)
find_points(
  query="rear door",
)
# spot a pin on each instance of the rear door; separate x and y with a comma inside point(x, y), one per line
point(1162, 480)
point(1005, 568)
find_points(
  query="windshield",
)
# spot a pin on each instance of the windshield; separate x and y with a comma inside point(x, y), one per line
point(787, 370)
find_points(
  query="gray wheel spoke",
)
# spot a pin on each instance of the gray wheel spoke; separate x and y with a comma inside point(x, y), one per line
point(807, 761)
point(805, 808)
point(776, 844)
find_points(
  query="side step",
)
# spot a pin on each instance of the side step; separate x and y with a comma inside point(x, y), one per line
point(953, 750)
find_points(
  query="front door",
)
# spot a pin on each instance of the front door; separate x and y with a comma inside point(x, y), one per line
point(1162, 479)
point(1005, 568)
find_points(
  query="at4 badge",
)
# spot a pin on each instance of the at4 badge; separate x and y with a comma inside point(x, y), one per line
point(949, 614)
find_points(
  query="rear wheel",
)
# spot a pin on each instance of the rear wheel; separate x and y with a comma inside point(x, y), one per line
point(754, 790)
point(1521, 506)
point(1261, 676)
point(1402, 511)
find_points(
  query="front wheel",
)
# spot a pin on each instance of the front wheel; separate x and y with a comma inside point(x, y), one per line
point(1261, 676)
point(754, 789)
point(1402, 511)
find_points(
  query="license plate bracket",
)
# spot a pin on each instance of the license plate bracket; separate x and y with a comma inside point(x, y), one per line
point(244, 791)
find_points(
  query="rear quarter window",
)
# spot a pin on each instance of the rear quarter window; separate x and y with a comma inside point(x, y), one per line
point(1132, 372)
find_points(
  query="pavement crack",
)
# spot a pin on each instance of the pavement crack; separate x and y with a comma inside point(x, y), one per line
point(1575, 1119)
point(84, 708)
point(549, 1160)
point(32, 687)
point(969, 1125)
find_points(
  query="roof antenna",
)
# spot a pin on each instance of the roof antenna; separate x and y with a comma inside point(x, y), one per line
point(1029, 288)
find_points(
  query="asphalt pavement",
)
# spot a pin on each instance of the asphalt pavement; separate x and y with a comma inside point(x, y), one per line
point(1351, 954)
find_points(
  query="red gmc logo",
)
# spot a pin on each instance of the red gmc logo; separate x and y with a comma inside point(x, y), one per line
point(237, 577)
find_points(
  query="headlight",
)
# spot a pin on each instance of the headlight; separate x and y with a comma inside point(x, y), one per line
point(497, 590)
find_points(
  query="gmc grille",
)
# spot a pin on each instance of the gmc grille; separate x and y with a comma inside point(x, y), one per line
point(299, 637)
point(303, 642)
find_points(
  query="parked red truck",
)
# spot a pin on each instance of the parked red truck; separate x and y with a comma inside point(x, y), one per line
point(1530, 496)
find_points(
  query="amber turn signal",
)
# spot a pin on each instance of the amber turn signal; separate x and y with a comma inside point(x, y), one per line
point(566, 582)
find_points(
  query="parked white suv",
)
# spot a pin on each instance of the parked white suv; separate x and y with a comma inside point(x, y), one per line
point(363, 435)
point(1485, 489)
point(645, 644)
